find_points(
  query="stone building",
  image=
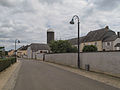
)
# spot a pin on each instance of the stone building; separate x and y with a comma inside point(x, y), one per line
point(37, 48)
point(22, 51)
point(11, 52)
point(104, 39)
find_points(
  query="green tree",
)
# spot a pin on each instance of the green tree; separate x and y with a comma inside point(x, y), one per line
point(2, 52)
point(62, 46)
point(6, 53)
point(89, 48)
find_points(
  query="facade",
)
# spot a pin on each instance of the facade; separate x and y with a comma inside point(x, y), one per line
point(11, 53)
point(50, 35)
point(22, 51)
point(104, 39)
point(37, 48)
point(112, 43)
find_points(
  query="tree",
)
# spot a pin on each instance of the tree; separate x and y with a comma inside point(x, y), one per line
point(2, 52)
point(6, 53)
point(62, 46)
point(89, 48)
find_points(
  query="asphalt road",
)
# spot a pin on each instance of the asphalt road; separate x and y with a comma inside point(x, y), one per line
point(36, 75)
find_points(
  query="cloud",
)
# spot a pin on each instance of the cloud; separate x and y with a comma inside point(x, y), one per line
point(50, 1)
point(106, 5)
point(10, 3)
point(28, 20)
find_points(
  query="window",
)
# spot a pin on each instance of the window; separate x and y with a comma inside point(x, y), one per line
point(108, 43)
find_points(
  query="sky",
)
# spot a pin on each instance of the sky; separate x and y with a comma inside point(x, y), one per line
point(28, 20)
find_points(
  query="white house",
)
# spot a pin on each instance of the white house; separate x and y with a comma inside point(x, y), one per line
point(112, 43)
point(37, 48)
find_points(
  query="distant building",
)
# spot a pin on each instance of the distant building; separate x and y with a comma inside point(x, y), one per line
point(37, 48)
point(22, 51)
point(11, 52)
point(104, 39)
point(50, 35)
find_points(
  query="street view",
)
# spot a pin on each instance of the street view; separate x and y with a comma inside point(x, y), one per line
point(60, 45)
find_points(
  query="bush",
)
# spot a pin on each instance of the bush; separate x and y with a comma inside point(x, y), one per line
point(5, 63)
point(89, 48)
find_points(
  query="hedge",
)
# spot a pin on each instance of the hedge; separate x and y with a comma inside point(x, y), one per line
point(6, 63)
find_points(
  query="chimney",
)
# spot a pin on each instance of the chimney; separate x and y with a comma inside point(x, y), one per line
point(118, 34)
point(107, 27)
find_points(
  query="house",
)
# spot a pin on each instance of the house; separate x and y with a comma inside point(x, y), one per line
point(37, 48)
point(112, 43)
point(22, 51)
point(11, 52)
point(104, 39)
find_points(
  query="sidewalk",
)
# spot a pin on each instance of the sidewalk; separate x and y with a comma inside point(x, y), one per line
point(8, 76)
point(109, 80)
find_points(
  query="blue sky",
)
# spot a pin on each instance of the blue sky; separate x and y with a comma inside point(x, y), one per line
point(28, 20)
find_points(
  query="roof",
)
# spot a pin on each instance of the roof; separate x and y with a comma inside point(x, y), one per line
point(111, 38)
point(74, 41)
point(99, 35)
point(38, 46)
point(23, 47)
point(11, 50)
point(117, 45)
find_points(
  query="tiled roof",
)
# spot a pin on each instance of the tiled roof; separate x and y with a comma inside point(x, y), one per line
point(74, 41)
point(99, 35)
point(37, 46)
point(111, 38)
point(24, 47)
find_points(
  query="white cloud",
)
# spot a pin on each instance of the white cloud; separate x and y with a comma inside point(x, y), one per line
point(28, 20)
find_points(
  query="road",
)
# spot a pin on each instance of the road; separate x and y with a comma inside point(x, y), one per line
point(37, 75)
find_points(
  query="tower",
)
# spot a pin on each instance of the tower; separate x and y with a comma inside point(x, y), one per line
point(50, 35)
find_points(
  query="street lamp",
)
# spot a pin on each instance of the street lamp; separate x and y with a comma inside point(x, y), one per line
point(72, 22)
point(16, 41)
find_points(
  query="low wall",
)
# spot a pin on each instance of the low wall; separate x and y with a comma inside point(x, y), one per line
point(104, 62)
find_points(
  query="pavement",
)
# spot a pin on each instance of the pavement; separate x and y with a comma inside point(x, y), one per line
point(101, 77)
point(8, 76)
point(37, 75)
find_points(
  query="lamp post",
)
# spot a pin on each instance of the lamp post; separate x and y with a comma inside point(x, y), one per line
point(72, 22)
point(16, 41)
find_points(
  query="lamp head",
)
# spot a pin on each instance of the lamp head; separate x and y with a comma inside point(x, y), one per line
point(18, 41)
point(72, 21)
